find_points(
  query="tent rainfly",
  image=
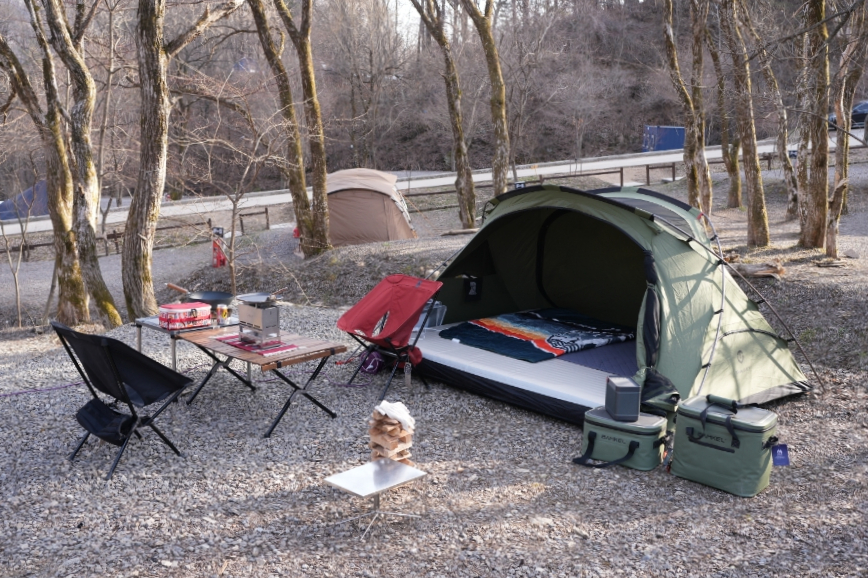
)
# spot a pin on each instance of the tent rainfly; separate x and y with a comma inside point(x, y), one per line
point(365, 207)
point(626, 256)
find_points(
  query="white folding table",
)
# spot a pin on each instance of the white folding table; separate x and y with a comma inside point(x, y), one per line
point(371, 480)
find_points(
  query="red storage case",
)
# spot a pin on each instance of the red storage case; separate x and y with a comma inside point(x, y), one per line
point(185, 315)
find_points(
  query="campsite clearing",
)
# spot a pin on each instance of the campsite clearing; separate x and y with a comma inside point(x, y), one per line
point(497, 502)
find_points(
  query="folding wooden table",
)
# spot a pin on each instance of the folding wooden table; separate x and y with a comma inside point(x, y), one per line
point(308, 349)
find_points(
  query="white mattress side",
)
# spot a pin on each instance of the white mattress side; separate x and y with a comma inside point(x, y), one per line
point(553, 378)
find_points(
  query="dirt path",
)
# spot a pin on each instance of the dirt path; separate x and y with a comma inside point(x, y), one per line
point(35, 279)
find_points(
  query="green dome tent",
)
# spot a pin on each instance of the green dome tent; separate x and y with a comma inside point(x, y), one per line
point(626, 256)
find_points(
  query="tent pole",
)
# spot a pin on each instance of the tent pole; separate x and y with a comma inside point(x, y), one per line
point(754, 289)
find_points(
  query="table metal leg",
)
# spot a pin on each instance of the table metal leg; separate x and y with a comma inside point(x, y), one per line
point(249, 372)
point(376, 513)
point(139, 338)
point(174, 345)
point(218, 363)
point(302, 391)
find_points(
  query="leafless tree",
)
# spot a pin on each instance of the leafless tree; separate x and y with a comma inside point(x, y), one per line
point(67, 40)
point(154, 54)
point(293, 168)
point(48, 120)
point(783, 136)
point(15, 262)
point(699, 191)
point(854, 39)
point(433, 17)
point(757, 217)
point(299, 33)
point(730, 144)
point(483, 21)
point(815, 200)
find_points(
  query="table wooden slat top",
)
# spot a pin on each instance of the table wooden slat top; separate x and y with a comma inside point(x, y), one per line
point(308, 348)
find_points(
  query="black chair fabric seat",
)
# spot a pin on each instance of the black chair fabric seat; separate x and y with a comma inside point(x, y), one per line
point(104, 422)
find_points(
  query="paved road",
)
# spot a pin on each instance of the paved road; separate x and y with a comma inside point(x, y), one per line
point(207, 205)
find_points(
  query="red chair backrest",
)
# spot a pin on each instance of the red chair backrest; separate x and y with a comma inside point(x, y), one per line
point(402, 297)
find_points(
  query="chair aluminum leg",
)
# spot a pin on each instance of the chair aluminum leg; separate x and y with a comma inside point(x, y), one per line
point(392, 376)
point(164, 438)
point(79, 446)
point(118, 458)
point(364, 358)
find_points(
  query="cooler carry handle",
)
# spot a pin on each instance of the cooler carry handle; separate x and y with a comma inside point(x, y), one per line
point(583, 459)
point(727, 403)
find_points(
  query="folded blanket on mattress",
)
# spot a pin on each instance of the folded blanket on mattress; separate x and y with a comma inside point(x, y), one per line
point(538, 335)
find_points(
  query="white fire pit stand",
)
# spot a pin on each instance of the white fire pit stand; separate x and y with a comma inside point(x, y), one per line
point(371, 480)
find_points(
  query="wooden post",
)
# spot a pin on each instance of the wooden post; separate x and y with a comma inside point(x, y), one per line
point(115, 239)
point(621, 171)
point(648, 175)
point(267, 221)
point(241, 221)
point(673, 172)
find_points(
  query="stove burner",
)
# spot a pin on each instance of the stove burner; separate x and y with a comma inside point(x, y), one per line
point(258, 322)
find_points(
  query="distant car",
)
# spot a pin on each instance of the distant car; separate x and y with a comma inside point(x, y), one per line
point(860, 111)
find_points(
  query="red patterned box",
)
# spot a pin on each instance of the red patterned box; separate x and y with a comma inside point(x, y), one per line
point(185, 315)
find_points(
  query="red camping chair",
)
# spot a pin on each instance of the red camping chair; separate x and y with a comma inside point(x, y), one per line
point(383, 320)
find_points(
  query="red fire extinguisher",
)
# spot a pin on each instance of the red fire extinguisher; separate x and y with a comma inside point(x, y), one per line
point(218, 257)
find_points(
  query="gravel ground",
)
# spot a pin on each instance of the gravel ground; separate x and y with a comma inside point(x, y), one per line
point(502, 498)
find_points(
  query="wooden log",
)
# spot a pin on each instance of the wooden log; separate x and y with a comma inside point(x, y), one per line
point(769, 269)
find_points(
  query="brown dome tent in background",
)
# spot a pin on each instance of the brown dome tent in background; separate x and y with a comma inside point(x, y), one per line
point(365, 207)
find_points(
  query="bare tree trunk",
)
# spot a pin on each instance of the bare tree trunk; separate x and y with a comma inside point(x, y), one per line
point(757, 218)
point(816, 202)
point(482, 20)
point(107, 100)
point(698, 18)
point(300, 36)
point(729, 147)
point(153, 55)
point(783, 137)
point(87, 190)
point(694, 158)
point(294, 169)
point(849, 73)
point(154, 125)
point(72, 306)
point(432, 17)
point(795, 209)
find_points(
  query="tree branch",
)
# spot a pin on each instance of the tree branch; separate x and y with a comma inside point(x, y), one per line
point(4, 110)
point(195, 31)
point(20, 82)
point(81, 26)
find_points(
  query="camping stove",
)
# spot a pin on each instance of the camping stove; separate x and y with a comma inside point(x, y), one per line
point(258, 321)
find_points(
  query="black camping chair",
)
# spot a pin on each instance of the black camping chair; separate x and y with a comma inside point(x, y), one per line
point(129, 377)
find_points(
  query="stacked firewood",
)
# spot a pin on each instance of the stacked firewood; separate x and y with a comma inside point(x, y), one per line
point(390, 439)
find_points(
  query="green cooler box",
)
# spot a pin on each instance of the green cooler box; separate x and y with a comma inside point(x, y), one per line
point(635, 444)
point(724, 445)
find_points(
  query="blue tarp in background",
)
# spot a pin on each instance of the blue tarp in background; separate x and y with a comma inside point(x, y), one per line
point(33, 201)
